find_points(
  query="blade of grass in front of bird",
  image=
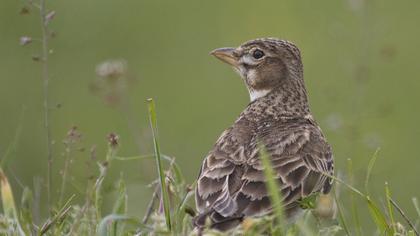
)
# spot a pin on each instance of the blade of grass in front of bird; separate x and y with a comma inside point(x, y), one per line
point(162, 177)
point(354, 211)
point(273, 190)
point(389, 207)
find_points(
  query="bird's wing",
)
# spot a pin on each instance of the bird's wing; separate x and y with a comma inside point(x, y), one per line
point(232, 182)
point(300, 158)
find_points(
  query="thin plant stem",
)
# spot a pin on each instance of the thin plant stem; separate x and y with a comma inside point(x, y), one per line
point(65, 175)
point(46, 79)
point(162, 176)
point(151, 204)
point(404, 216)
point(81, 214)
point(389, 207)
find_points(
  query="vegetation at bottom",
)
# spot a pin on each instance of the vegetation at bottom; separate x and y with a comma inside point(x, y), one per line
point(171, 206)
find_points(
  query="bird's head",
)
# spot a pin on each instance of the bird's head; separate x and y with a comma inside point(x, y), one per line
point(264, 64)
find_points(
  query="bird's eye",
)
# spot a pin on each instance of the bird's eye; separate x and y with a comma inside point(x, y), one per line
point(257, 54)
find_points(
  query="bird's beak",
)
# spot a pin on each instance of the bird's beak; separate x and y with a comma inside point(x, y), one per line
point(226, 55)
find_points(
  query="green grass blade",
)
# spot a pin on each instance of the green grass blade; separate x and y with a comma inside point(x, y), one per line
point(369, 170)
point(411, 233)
point(389, 208)
point(416, 205)
point(164, 190)
point(273, 189)
point(120, 206)
point(26, 206)
point(142, 157)
point(353, 189)
point(377, 215)
point(131, 158)
point(402, 213)
point(103, 169)
point(180, 212)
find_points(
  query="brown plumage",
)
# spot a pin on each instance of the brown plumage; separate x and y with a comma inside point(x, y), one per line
point(231, 184)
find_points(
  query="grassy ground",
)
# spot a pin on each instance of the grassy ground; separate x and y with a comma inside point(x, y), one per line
point(170, 211)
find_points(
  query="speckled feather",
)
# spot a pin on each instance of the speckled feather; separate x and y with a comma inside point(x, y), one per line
point(231, 184)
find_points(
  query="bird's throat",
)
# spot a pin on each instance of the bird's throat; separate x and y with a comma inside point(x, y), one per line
point(255, 94)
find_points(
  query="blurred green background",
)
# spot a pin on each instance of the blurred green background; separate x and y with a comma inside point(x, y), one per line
point(361, 61)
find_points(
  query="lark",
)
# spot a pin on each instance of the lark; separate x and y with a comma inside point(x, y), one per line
point(231, 185)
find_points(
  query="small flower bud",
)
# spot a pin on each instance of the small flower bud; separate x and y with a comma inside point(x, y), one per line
point(113, 140)
point(50, 15)
point(24, 10)
point(24, 40)
point(53, 34)
point(36, 58)
point(112, 69)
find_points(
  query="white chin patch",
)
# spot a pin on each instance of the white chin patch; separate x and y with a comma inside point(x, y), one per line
point(255, 94)
point(251, 76)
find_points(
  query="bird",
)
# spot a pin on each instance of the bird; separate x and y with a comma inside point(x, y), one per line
point(231, 185)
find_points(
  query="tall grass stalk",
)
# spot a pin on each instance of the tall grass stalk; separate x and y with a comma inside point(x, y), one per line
point(416, 205)
point(103, 171)
point(46, 80)
point(162, 177)
point(399, 209)
point(372, 162)
point(64, 176)
point(389, 208)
